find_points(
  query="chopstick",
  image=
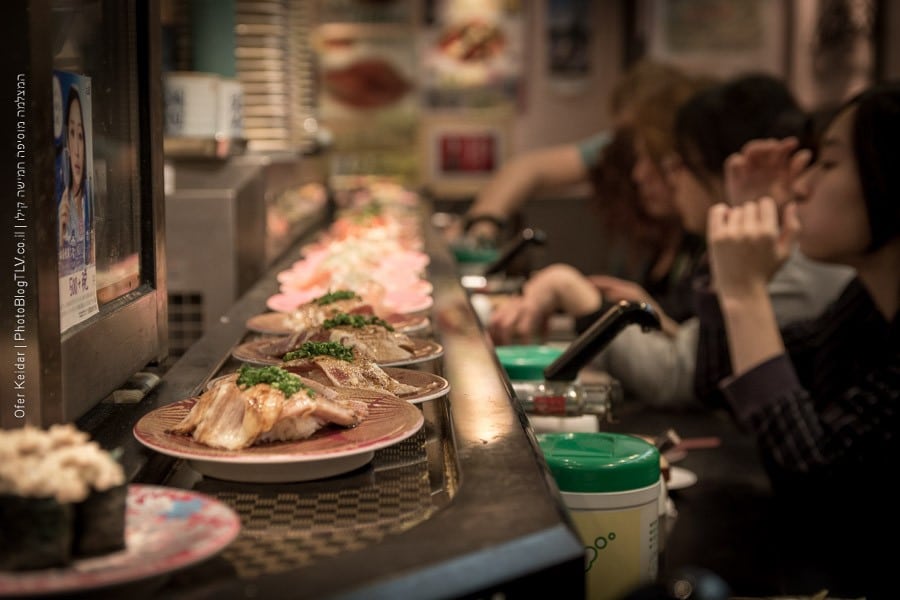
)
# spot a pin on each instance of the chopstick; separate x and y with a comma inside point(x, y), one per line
point(699, 443)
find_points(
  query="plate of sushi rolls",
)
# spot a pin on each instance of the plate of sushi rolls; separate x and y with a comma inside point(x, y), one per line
point(71, 523)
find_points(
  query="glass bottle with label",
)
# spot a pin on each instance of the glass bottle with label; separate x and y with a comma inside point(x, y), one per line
point(569, 398)
point(546, 379)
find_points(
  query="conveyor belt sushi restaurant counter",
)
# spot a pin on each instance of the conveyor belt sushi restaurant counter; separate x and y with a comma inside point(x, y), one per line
point(451, 499)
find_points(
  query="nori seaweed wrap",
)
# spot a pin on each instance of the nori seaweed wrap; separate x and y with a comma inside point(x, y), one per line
point(36, 533)
point(62, 497)
point(99, 523)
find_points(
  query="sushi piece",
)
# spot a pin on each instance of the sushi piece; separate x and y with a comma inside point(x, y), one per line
point(36, 533)
point(61, 497)
point(99, 522)
point(266, 404)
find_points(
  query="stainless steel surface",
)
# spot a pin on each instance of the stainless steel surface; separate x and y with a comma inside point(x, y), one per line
point(215, 232)
point(226, 222)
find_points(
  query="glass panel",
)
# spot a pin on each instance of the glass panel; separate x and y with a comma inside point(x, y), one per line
point(96, 39)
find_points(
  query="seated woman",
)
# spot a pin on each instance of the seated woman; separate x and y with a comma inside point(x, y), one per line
point(820, 396)
point(669, 262)
point(658, 368)
point(638, 238)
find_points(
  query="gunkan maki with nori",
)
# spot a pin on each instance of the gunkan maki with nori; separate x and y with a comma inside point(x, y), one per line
point(34, 533)
point(61, 497)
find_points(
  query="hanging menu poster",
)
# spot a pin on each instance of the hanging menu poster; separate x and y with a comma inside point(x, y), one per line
point(474, 54)
point(73, 170)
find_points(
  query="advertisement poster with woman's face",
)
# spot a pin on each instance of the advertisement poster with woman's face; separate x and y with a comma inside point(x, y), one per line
point(74, 175)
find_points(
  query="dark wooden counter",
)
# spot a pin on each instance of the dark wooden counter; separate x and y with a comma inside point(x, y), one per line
point(721, 519)
point(727, 522)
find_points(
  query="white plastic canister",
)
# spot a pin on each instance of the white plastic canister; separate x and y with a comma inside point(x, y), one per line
point(230, 113)
point(610, 483)
point(191, 104)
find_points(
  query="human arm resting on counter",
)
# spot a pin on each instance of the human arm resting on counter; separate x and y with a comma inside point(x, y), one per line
point(563, 288)
point(556, 288)
point(654, 368)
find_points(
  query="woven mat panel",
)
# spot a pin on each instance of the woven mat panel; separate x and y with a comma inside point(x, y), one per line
point(286, 527)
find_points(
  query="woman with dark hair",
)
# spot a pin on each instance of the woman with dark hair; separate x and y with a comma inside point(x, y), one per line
point(707, 131)
point(74, 208)
point(710, 130)
point(820, 396)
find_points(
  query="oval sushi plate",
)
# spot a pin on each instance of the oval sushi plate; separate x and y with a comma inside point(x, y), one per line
point(166, 529)
point(330, 451)
point(286, 302)
point(256, 352)
point(278, 323)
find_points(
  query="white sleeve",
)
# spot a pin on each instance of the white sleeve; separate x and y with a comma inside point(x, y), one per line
point(801, 288)
point(653, 367)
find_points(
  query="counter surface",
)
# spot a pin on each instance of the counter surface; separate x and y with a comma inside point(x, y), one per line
point(726, 522)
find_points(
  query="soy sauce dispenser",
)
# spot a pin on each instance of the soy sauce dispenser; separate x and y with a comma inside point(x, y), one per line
point(560, 392)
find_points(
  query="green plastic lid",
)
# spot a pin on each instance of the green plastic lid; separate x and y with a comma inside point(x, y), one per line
point(470, 254)
point(526, 363)
point(600, 462)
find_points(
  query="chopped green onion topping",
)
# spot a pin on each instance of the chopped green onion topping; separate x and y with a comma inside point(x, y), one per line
point(285, 381)
point(335, 296)
point(357, 321)
point(370, 210)
point(311, 349)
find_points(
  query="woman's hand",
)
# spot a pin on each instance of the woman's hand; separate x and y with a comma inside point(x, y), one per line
point(521, 319)
point(747, 245)
point(765, 167)
point(615, 289)
point(559, 287)
point(484, 233)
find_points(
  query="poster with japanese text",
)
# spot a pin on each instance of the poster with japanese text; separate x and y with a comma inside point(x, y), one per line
point(73, 169)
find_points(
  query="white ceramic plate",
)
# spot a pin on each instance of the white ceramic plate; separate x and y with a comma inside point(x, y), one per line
point(165, 529)
point(330, 451)
point(278, 323)
point(419, 307)
point(283, 302)
point(254, 353)
point(680, 478)
point(430, 386)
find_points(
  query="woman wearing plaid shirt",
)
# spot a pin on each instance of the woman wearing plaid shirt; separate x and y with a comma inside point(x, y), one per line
point(820, 396)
